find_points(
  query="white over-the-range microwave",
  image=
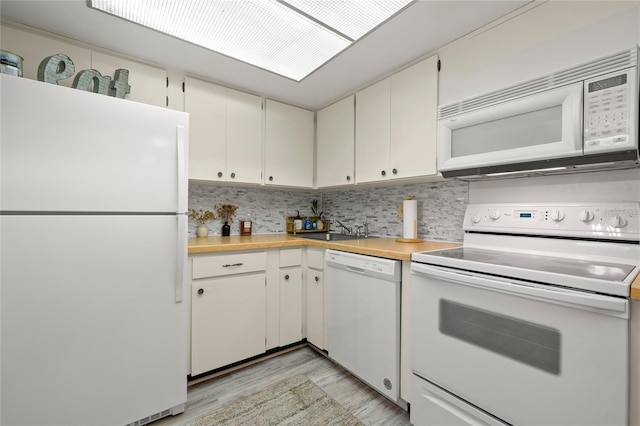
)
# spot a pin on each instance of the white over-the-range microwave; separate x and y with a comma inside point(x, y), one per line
point(583, 118)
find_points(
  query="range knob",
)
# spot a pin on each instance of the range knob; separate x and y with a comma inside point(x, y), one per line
point(585, 216)
point(494, 215)
point(476, 218)
point(617, 221)
point(557, 216)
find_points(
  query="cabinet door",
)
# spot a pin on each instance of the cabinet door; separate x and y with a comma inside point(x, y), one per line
point(290, 305)
point(206, 104)
point(289, 145)
point(315, 308)
point(227, 321)
point(373, 132)
point(35, 48)
point(414, 110)
point(148, 83)
point(336, 144)
point(244, 137)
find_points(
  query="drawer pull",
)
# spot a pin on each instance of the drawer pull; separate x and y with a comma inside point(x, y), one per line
point(200, 291)
point(286, 277)
point(317, 279)
point(230, 265)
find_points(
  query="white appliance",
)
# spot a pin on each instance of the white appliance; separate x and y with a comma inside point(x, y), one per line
point(363, 318)
point(528, 322)
point(577, 119)
point(93, 238)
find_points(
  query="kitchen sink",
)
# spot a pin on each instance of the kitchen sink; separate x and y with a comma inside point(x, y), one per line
point(330, 237)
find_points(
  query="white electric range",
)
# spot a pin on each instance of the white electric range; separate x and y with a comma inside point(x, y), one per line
point(528, 321)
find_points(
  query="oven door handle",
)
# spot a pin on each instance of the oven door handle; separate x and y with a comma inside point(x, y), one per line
point(567, 297)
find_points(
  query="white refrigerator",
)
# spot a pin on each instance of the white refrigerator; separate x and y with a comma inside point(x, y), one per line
point(93, 254)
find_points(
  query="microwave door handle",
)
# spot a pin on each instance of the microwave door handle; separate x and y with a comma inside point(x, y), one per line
point(575, 298)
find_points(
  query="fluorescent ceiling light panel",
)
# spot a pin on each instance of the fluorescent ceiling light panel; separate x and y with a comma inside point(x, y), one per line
point(292, 38)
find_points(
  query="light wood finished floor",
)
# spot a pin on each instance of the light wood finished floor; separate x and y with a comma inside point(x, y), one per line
point(363, 402)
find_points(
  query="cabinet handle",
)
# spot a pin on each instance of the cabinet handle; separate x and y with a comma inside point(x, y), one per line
point(233, 175)
point(200, 291)
point(394, 171)
point(317, 278)
point(229, 265)
point(270, 178)
point(383, 173)
point(348, 178)
point(286, 277)
point(220, 174)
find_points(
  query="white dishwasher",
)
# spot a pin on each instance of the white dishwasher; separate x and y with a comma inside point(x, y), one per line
point(363, 307)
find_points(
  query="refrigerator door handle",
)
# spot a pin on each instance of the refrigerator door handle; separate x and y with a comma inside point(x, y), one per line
point(181, 256)
point(182, 173)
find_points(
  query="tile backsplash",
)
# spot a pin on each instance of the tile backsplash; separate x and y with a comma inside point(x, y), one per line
point(441, 207)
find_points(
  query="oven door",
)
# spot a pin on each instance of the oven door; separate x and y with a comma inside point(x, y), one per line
point(526, 353)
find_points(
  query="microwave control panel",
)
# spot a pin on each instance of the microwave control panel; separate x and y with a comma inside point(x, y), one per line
point(610, 106)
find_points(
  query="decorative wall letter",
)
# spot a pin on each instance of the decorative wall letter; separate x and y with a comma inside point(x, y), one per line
point(85, 78)
point(120, 84)
point(59, 66)
point(54, 68)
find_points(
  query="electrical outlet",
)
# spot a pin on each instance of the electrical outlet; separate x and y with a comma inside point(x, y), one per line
point(400, 210)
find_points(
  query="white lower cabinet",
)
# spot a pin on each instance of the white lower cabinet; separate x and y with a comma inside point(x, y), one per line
point(244, 304)
point(227, 321)
point(228, 309)
point(315, 298)
point(290, 296)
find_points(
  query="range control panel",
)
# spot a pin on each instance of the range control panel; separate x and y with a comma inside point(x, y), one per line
point(593, 220)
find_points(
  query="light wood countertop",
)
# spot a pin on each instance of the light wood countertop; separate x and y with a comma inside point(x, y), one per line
point(381, 246)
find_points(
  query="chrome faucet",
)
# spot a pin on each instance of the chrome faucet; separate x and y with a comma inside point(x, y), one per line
point(345, 228)
point(359, 234)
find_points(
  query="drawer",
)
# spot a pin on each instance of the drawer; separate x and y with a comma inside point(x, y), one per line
point(315, 258)
point(290, 257)
point(430, 405)
point(228, 264)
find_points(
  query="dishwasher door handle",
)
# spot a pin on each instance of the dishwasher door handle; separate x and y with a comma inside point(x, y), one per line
point(356, 270)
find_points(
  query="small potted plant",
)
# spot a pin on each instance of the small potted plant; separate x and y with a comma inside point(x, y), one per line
point(317, 216)
point(202, 216)
point(226, 213)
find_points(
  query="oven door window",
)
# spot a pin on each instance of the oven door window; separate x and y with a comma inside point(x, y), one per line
point(532, 344)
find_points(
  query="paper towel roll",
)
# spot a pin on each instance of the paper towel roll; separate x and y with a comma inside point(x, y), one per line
point(410, 214)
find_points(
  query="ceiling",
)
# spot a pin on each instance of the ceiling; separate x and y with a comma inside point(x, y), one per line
point(418, 30)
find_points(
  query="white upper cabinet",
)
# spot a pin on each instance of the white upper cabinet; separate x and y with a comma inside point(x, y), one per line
point(396, 125)
point(206, 105)
point(373, 132)
point(34, 48)
point(244, 137)
point(414, 112)
point(148, 83)
point(335, 139)
point(225, 128)
point(289, 145)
